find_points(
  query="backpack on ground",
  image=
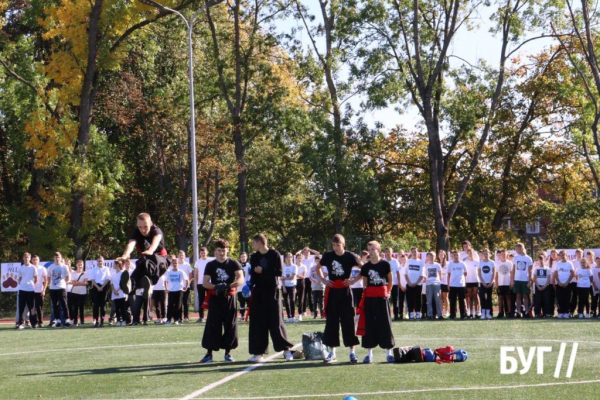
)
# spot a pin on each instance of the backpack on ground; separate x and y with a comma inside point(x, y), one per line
point(408, 354)
point(449, 355)
point(313, 347)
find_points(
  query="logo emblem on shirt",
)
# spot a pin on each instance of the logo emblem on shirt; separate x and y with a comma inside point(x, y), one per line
point(222, 275)
point(336, 268)
point(503, 269)
point(376, 279)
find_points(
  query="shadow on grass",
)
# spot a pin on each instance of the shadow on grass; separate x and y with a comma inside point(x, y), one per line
point(189, 368)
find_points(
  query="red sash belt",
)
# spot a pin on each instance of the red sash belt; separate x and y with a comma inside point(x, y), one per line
point(211, 292)
point(337, 284)
point(370, 291)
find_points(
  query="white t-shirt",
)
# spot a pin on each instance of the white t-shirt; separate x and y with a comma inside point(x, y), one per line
point(100, 275)
point(487, 269)
point(187, 268)
point(42, 275)
point(58, 275)
point(175, 280)
point(308, 262)
point(353, 274)
point(444, 270)
point(316, 284)
point(246, 269)
point(160, 284)
point(504, 269)
point(287, 272)
point(302, 271)
point(115, 281)
point(432, 272)
point(414, 269)
point(541, 274)
point(199, 269)
point(27, 274)
point(456, 272)
point(564, 269)
point(78, 277)
point(402, 270)
point(472, 270)
point(522, 264)
point(584, 276)
point(395, 267)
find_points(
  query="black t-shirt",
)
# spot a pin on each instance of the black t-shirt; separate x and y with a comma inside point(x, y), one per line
point(143, 242)
point(339, 267)
point(271, 268)
point(222, 272)
point(376, 274)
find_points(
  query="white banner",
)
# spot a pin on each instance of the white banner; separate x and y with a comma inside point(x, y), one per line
point(10, 277)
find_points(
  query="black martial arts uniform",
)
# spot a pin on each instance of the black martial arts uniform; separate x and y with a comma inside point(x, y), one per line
point(220, 331)
point(153, 266)
point(265, 305)
point(375, 324)
point(339, 306)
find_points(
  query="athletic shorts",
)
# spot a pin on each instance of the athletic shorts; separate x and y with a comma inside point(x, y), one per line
point(503, 290)
point(521, 287)
point(472, 284)
point(444, 288)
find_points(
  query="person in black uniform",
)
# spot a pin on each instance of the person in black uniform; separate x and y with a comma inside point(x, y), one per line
point(148, 239)
point(221, 278)
point(375, 324)
point(339, 306)
point(265, 303)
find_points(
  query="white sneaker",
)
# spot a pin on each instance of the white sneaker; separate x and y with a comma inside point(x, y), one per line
point(580, 316)
point(482, 316)
point(168, 323)
point(288, 355)
point(587, 316)
point(256, 358)
point(299, 318)
point(176, 322)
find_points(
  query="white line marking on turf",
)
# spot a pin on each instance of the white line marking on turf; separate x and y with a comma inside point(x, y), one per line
point(233, 376)
point(561, 354)
point(450, 389)
point(119, 346)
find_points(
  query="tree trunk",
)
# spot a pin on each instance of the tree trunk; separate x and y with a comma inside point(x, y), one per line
point(85, 121)
point(241, 192)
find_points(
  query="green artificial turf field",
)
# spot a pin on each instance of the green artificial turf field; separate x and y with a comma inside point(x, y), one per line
point(162, 362)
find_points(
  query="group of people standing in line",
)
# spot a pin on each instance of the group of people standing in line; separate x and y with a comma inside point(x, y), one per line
point(376, 285)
